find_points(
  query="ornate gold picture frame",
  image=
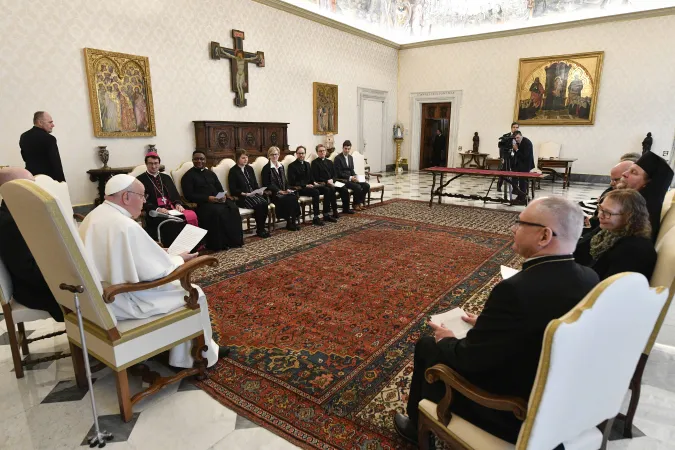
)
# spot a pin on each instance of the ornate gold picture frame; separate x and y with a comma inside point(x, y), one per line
point(558, 90)
point(325, 108)
point(120, 94)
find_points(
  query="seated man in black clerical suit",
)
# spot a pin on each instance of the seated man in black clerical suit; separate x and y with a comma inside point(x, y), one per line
point(162, 197)
point(285, 199)
point(501, 353)
point(300, 178)
point(344, 169)
point(217, 213)
point(30, 287)
point(323, 173)
point(242, 183)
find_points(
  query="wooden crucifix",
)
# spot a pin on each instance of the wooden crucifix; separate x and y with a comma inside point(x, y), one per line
point(239, 60)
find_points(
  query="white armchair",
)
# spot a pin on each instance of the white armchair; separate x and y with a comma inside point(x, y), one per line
point(579, 361)
point(258, 165)
point(138, 170)
point(303, 200)
point(667, 203)
point(177, 176)
point(59, 190)
point(360, 169)
point(63, 260)
point(222, 171)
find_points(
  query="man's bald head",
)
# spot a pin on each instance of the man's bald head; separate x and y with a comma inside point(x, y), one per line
point(14, 173)
point(617, 171)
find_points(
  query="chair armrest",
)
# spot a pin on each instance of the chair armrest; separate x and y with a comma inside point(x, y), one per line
point(78, 217)
point(377, 175)
point(453, 380)
point(182, 273)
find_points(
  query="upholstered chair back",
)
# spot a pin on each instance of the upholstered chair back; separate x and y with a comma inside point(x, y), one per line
point(6, 288)
point(258, 165)
point(138, 170)
point(587, 361)
point(58, 190)
point(667, 224)
point(311, 155)
point(664, 275)
point(57, 248)
point(667, 202)
point(286, 161)
point(222, 171)
point(177, 175)
point(549, 150)
point(334, 154)
point(359, 162)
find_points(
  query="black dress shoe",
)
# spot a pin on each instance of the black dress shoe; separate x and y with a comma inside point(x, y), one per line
point(328, 218)
point(292, 227)
point(223, 352)
point(348, 211)
point(263, 234)
point(405, 428)
point(318, 222)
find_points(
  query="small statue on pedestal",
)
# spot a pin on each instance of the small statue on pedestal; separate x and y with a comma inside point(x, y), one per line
point(330, 143)
point(647, 143)
point(476, 142)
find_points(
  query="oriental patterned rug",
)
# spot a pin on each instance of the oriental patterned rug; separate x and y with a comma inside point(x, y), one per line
point(322, 323)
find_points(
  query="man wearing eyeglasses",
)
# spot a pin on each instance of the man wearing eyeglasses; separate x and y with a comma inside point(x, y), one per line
point(500, 354)
point(123, 252)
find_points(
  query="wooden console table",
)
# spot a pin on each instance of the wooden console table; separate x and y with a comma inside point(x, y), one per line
point(478, 159)
point(549, 165)
point(101, 176)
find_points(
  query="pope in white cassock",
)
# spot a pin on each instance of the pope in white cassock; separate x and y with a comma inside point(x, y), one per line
point(123, 252)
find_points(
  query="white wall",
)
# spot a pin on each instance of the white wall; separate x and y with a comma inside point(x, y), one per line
point(637, 88)
point(42, 68)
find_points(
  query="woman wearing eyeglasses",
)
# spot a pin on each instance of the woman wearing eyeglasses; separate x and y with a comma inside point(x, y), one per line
point(623, 243)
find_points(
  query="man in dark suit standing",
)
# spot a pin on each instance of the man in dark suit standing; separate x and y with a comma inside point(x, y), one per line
point(344, 169)
point(39, 150)
point(501, 353)
point(300, 178)
point(323, 172)
point(523, 162)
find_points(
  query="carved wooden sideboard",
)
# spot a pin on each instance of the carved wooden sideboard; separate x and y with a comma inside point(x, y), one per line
point(220, 139)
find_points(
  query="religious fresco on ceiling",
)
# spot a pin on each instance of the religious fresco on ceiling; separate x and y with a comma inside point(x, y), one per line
point(447, 18)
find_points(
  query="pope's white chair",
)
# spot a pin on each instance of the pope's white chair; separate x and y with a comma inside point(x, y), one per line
point(59, 190)
point(63, 260)
point(360, 169)
point(15, 316)
point(302, 199)
point(664, 275)
point(548, 150)
point(258, 165)
point(587, 360)
point(222, 171)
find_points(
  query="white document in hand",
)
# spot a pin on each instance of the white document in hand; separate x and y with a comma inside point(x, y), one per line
point(258, 191)
point(173, 212)
point(338, 184)
point(508, 272)
point(187, 240)
point(361, 178)
point(453, 321)
point(220, 195)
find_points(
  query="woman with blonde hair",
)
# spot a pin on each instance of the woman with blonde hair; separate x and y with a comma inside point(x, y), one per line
point(285, 200)
point(624, 242)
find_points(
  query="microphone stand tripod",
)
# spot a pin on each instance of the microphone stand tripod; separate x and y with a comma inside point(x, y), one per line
point(170, 219)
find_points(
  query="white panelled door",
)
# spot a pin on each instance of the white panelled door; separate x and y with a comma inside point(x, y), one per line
point(372, 134)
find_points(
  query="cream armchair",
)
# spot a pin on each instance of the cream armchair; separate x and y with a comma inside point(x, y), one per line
point(15, 316)
point(258, 165)
point(60, 254)
point(581, 379)
point(59, 189)
point(222, 171)
point(302, 199)
point(177, 176)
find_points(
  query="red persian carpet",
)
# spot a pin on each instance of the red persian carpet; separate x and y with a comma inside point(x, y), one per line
point(322, 323)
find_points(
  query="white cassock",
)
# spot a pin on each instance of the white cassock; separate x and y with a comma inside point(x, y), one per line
point(123, 252)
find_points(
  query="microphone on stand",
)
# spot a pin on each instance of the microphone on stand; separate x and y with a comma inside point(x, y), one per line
point(167, 218)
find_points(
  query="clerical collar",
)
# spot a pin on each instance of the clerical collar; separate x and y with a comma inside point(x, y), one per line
point(532, 262)
point(155, 175)
point(118, 207)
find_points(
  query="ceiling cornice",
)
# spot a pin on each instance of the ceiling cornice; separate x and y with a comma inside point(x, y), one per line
point(301, 12)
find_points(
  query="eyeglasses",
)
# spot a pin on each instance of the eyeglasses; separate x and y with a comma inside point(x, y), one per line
point(532, 224)
point(605, 213)
point(298, 153)
point(144, 196)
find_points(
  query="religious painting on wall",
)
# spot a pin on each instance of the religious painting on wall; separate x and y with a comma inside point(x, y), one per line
point(558, 90)
point(325, 110)
point(120, 94)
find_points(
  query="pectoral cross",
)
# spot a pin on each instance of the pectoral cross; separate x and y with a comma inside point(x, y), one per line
point(239, 60)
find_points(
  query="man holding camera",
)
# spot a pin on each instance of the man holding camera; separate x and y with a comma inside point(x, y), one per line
point(506, 152)
point(523, 161)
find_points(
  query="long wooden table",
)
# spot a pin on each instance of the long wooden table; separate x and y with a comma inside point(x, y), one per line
point(509, 177)
point(550, 164)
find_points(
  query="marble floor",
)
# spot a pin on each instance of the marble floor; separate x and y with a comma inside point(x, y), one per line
point(44, 410)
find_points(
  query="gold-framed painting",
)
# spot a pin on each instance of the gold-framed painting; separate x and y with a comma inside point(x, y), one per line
point(325, 108)
point(120, 94)
point(558, 90)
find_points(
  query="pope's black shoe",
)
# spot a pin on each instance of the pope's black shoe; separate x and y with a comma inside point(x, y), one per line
point(223, 352)
point(405, 428)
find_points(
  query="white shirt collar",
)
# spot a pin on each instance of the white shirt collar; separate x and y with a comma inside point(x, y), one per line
point(156, 175)
point(118, 207)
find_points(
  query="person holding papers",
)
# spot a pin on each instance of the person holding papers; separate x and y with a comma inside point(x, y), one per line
point(124, 253)
point(344, 169)
point(244, 187)
point(500, 354)
point(216, 211)
point(323, 173)
point(162, 197)
point(285, 199)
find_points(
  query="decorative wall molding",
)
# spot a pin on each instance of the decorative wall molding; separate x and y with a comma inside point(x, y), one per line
point(378, 96)
point(417, 99)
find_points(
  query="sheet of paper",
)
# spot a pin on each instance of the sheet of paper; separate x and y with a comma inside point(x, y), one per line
point(173, 212)
point(258, 191)
point(453, 321)
point(220, 195)
point(187, 240)
point(361, 178)
point(339, 184)
point(508, 272)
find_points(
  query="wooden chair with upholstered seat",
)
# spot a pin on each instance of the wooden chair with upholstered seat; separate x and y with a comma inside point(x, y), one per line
point(360, 169)
point(302, 199)
point(63, 260)
point(258, 165)
point(177, 176)
point(222, 171)
point(587, 360)
point(59, 189)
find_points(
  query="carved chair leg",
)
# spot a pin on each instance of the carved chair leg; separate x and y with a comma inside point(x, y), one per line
point(368, 198)
point(381, 195)
point(123, 395)
point(22, 338)
point(78, 366)
point(423, 434)
point(13, 342)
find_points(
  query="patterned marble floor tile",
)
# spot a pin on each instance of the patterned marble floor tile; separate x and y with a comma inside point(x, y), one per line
point(66, 391)
point(253, 438)
point(114, 425)
point(4, 338)
point(243, 423)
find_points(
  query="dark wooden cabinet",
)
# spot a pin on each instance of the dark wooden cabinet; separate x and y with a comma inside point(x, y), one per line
point(220, 139)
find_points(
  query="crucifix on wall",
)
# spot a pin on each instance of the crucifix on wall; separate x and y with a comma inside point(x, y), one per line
point(239, 60)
